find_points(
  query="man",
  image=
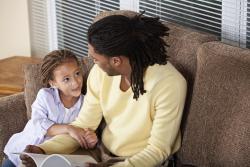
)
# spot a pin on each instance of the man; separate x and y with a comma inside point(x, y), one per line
point(138, 92)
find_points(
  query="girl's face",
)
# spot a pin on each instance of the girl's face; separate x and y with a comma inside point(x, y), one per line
point(68, 79)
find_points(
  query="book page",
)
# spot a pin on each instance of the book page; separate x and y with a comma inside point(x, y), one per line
point(55, 160)
point(38, 158)
point(79, 160)
point(61, 160)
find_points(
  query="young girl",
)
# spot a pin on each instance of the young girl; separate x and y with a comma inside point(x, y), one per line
point(54, 108)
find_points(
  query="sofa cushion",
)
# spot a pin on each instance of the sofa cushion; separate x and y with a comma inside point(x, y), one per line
point(183, 44)
point(32, 84)
point(127, 13)
point(218, 125)
point(33, 81)
point(12, 118)
point(87, 64)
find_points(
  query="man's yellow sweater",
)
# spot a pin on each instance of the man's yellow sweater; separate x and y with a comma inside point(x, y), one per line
point(146, 131)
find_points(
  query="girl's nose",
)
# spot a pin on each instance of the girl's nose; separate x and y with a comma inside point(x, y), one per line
point(75, 83)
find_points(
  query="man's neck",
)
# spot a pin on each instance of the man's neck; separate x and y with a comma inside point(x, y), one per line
point(125, 72)
point(125, 83)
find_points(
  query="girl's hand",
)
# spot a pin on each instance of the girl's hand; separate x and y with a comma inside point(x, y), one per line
point(79, 135)
point(26, 160)
point(91, 138)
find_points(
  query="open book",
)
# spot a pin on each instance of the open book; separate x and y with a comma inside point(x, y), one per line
point(61, 160)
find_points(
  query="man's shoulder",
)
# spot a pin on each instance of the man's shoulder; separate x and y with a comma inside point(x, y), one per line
point(163, 75)
point(162, 72)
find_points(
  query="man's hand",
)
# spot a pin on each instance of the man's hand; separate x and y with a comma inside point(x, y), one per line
point(85, 137)
point(26, 160)
point(91, 138)
point(79, 135)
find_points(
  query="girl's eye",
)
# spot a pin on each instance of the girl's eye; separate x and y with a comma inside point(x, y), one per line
point(65, 79)
point(78, 73)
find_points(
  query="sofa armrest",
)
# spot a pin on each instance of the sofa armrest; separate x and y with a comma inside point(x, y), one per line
point(13, 117)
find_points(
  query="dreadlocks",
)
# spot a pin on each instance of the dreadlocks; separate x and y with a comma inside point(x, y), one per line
point(139, 38)
point(52, 60)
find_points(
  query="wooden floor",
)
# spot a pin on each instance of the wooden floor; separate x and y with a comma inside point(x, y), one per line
point(11, 74)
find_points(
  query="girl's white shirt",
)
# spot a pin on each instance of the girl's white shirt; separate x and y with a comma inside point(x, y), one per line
point(47, 110)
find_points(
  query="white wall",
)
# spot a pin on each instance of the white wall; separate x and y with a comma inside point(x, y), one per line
point(14, 28)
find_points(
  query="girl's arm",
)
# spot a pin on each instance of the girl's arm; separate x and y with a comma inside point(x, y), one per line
point(85, 137)
point(43, 126)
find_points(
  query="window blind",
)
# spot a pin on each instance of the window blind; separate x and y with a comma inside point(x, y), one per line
point(73, 19)
point(228, 19)
point(201, 14)
point(248, 24)
point(38, 27)
point(234, 19)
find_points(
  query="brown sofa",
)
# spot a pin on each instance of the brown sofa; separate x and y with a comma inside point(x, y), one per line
point(216, 123)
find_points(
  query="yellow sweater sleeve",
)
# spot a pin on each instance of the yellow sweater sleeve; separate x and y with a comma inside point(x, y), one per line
point(165, 136)
point(89, 116)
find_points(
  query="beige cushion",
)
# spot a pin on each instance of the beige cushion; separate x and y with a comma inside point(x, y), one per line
point(127, 13)
point(218, 126)
point(12, 118)
point(33, 81)
point(184, 43)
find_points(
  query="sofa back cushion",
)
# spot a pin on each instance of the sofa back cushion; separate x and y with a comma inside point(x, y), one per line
point(33, 81)
point(218, 126)
point(183, 44)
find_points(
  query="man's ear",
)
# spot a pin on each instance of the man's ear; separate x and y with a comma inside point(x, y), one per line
point(117, 60)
